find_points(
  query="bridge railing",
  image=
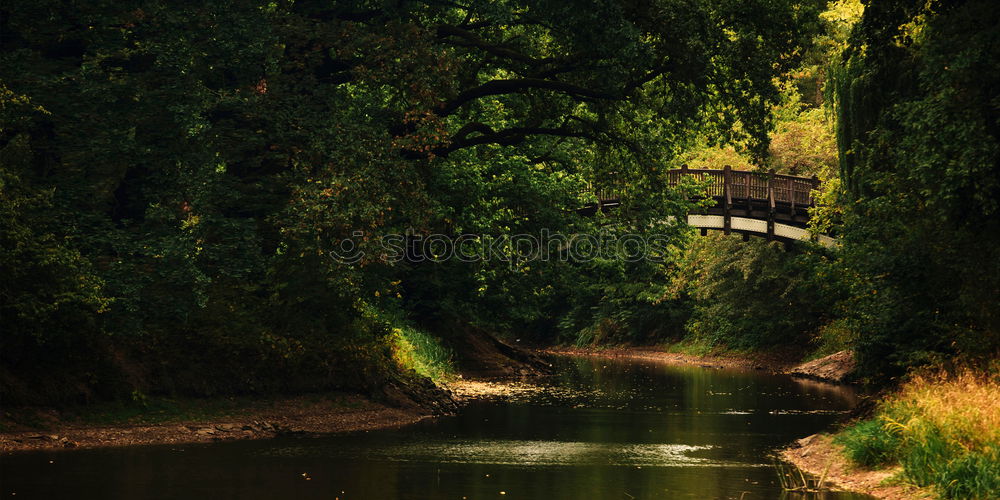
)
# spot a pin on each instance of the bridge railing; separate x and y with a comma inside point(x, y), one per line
point(744, 201)
point(742, 184)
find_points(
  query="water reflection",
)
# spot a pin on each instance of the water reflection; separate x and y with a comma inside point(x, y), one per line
point(518, 452)
point(607, 430)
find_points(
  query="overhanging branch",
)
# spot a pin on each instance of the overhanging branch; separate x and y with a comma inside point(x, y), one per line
point(514, 86)
point(505, 137)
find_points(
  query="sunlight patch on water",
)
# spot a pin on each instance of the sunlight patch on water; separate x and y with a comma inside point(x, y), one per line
point(519, 391)
point(808, 412)
point(530, 453)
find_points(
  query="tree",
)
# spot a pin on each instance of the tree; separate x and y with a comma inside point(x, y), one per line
point(203, 160)
point(919, 139)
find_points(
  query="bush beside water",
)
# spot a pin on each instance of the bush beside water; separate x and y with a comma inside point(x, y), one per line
point(422, 352)
point(944, 430)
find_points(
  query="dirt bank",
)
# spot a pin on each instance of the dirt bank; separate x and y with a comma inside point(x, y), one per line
point(836, 368)
point(259, 419)
point(167, 421)
point(818, 454)
point(481, 355)
point(775, 361)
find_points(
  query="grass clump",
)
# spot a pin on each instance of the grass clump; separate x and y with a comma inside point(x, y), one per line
point(870, 443)
point(943, 429)
point(422, 352)
point(694, 346)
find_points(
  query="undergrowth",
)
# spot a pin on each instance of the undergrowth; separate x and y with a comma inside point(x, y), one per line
point(417, 350)
point(943, 429)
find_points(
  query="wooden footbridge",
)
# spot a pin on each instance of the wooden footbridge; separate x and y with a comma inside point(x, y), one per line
point(774, 206)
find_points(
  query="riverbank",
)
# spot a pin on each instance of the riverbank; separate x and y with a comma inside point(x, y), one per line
point(167, 421)
point(835, 368)
point(182, 421)
point(940, 429)
point(777, 361)
point(200, 421)
point(820, 456)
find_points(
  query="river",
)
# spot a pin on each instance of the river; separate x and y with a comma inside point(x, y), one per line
point(603, 429)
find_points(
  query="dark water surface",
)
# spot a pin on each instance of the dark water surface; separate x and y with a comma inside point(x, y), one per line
point(607, 429)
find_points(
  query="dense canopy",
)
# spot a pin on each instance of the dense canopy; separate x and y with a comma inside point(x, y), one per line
point(175, 176)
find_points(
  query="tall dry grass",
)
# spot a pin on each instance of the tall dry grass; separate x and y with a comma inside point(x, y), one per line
point(943, 428)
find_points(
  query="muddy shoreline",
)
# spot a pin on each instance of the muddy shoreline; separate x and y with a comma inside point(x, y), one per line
point(820, 456)
point(266, 418)
point(224, 419)
point(775, 362)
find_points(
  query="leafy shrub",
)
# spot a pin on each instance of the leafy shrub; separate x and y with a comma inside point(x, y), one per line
point(417, 350)
point(870, 443)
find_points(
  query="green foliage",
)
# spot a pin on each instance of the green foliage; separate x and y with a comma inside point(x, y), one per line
point(615, 302)
point(833, 337)
point(804, 143)
point(811, 79)
point(754, 294)
point(956, 472)
point(48, 287)
point(871, 443)
point(52, 297)
point(709, 156)
point(175, 175)
point(422, 352)
point(920, 150)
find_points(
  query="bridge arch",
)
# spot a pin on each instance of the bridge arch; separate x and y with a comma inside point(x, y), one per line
point(745, 225)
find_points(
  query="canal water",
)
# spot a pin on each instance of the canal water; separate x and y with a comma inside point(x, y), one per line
point(600, 429)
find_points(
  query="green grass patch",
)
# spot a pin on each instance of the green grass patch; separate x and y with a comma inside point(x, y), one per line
point(422, 352)
point(700, 346)
point(694, 346)
point(831, 338)
point(870, 443)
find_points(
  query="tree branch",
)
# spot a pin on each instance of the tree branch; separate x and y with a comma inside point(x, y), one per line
point(473, 40)
point(504, 137)
point(500, 87)
point(555, 65)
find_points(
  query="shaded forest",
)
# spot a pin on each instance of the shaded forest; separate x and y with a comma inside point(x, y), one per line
point(175, 176)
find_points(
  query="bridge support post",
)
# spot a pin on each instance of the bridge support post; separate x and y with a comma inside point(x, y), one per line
point(749, 179)
point(727, 199)
point(792, 192)
point(770, 205)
